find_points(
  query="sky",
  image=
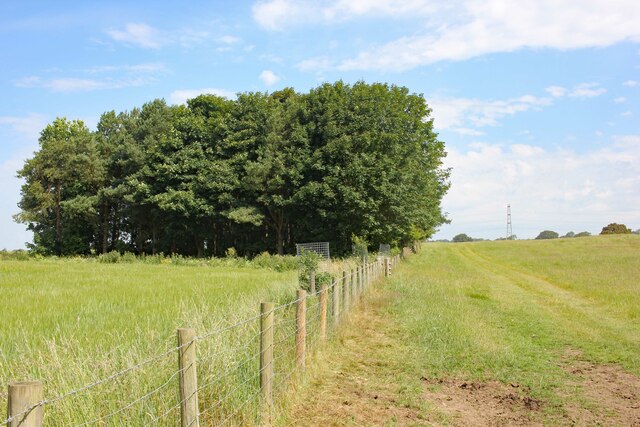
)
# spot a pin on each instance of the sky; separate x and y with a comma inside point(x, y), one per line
point(537, 101)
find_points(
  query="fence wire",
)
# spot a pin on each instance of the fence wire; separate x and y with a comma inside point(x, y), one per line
point(227, 366)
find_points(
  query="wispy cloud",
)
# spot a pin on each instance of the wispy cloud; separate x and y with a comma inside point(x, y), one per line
point(620, 100)
point(631, 83)
point(269, 78)
point(478, 28)
point(277, 15)
point(97, 77)
point(28, 127)
point(138, 34)
point(462, 114)
point(582, 90)
point(181, 96)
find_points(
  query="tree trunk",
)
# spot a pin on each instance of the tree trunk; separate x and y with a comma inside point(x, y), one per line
point(105, 228)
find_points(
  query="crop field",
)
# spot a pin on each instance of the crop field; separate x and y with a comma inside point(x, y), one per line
point(74, 322)
point(491, 333)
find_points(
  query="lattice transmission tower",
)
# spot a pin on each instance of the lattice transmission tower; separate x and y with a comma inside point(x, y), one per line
point(509, 226)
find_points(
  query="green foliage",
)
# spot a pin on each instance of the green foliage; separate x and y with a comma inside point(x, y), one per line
point(275, 262)
point(583, 234)
point(360, 247)
point(547, 234)
point(18, 255)
point(257, 173)
point(112, 257)
point(615, 228)
point(308, 262)
point(231, 253)
point(569, 234)
point(459, 238)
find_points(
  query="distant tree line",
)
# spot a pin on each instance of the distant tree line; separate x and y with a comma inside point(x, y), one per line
point(257, 173)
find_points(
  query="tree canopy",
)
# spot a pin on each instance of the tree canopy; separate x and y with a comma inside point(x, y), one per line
point(257, 173)
point(615, 228)
point(547, 234)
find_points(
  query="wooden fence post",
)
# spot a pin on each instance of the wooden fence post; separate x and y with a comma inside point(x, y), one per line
point(335, 302)
point(312, 282)
point(301, 328)
point(266, 355)
point(22, 396)
point(387, 267)
point(188, 377)
point(323, 311)
point(345, 293)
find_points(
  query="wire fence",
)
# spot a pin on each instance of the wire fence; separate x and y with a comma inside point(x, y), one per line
point(226, 376)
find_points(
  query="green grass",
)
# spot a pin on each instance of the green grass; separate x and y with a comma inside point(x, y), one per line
point(72, 322)
point(518, 312)
point(511, 310)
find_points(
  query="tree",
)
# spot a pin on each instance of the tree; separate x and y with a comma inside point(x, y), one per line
point(58, 200)
point(615, 228)
point(462, 238)
point(547, 234)
point(583, 234)
point(259, 172)
point(569, 234)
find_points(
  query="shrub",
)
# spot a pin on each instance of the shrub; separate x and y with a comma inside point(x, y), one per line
point(128, 257)
point(462, 238)
point(275, 262)
point(308, 261)
point(547, 234)
point(360, 245)
point(615, 228)
point(112, 257)
point(583, 234)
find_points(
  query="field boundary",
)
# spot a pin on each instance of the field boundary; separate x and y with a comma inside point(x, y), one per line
point(246, 390)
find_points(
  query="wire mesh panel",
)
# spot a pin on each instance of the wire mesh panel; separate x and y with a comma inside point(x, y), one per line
point(321, 248)
point(385, 249)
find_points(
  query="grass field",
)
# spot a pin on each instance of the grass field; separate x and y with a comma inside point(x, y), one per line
point(491, 333)
point(72, 322)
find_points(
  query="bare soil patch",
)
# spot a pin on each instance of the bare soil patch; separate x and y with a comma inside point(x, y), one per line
point(462, 403)
point(612, 395)
point(598, 394)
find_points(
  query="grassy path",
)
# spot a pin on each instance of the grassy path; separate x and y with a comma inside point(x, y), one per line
point(496, 333)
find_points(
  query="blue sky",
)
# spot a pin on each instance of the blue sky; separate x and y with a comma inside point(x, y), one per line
point(537, 101)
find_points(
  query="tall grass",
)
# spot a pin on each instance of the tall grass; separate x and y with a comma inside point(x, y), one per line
point(72, 322)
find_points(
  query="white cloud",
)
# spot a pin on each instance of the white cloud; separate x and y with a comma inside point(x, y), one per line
point(554, 189)
point(28, 127)
point(97, 78)
point(144, 68)
point(631, 83)
point(465, 29)
point(138, 34)
point(620, 100)
point(279, 14)
point(228, 39)
point(269, 78)
point(627, 113)
point(73, 84)
point(556, 91)
point(457, 113)
point(587, 90)
point(181, 96)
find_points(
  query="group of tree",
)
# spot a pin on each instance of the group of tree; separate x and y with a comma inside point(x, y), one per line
point(257, 173)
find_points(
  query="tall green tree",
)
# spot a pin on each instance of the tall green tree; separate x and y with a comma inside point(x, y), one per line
point(58, 200)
